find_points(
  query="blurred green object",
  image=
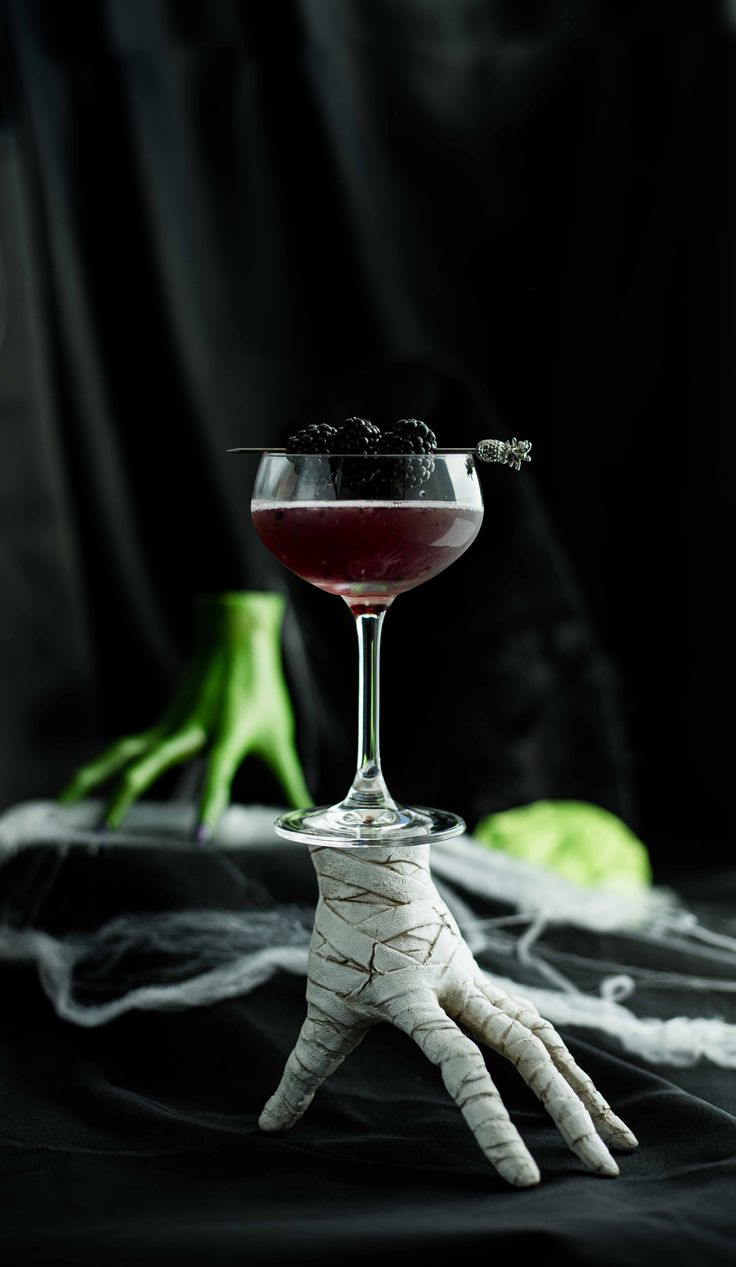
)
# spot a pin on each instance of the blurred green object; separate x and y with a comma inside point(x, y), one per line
point(232, 702)
point(582, 842)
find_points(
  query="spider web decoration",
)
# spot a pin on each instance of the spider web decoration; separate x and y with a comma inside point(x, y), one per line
point(534, 944)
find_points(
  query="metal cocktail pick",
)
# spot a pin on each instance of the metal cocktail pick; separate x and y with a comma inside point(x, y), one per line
point(506, 452)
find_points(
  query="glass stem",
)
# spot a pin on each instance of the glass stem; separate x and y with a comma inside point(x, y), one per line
point(369, 789)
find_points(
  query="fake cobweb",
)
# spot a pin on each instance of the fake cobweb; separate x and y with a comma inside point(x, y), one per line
point(591, 959)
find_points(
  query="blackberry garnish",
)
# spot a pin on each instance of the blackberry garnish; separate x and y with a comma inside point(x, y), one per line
point(363, 438)
point(317, 438)
point(357, 435)
point(410, 435)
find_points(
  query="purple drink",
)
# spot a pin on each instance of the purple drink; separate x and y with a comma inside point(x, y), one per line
point(366, 550)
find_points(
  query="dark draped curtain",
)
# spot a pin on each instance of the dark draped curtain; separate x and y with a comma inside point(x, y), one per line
point(220, 220)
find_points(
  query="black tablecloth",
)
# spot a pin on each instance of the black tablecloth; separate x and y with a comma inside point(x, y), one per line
point(137, 1142)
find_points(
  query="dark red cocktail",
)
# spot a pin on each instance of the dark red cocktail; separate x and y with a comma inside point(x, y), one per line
point(314, 512)
point(370, 549)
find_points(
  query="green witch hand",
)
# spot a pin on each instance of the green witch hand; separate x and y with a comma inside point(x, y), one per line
point(233, 701)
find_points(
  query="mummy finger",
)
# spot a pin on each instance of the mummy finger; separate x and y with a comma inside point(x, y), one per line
point(610, 1127)
point(321, 1047)
point(528, 1054)
point(465, 1075)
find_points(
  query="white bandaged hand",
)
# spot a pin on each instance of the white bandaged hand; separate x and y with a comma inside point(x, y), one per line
point(385, 947)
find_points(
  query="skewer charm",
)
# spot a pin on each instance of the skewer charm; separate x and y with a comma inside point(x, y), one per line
point(508, 452)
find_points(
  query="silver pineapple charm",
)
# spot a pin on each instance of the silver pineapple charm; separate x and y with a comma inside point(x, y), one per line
point(508, 452)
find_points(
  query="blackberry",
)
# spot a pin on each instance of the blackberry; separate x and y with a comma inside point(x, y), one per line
point(357, 435)
point(317, 438)
point(361, 437)
point(410, 436)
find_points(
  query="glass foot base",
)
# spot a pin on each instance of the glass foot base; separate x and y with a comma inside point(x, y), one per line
point(344, 828)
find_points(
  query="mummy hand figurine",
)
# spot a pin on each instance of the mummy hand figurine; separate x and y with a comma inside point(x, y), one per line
point(385, 947)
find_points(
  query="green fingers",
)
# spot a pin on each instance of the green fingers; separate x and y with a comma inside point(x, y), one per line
point(233, 700)
point(112, 760)
point(224, 761)
point(142, 773)
point(279, 755)
point(284, 762)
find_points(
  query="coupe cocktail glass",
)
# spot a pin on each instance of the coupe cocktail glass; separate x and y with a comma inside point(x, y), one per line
point(363, 527)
